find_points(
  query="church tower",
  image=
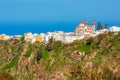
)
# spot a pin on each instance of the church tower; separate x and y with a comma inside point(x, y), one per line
point(93, 25)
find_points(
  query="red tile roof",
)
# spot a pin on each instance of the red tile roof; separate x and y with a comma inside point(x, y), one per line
point(80, 27)
point(89, 28)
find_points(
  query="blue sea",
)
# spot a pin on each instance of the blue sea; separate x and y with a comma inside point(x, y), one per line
point(15, 28)
point(36, 27)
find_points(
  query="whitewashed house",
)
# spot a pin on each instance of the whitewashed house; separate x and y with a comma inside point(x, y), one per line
point(58, 35)
point(43, 36)
point(46, 38)
point(4, 37)
point(114, 29)
point(17, 37)
point(29, 37)
point(69, 39)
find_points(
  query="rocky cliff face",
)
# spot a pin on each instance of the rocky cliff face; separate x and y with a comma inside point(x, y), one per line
point(94, 58)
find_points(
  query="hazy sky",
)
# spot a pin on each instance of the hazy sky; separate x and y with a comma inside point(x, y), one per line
point(59, 10)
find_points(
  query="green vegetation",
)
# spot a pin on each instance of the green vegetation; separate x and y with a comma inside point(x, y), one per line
point(45, 54)
point(90, 59)
point(14, 48)
point(99, 26)
point(28, 53)
point(22, 39)
point(106, 26)
point(12, 63)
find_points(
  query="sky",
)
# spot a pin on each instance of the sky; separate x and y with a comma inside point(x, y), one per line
point(106, 11)
point(59, 10)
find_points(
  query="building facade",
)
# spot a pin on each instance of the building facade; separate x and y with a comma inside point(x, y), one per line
point(114, 29)
point(83, 29)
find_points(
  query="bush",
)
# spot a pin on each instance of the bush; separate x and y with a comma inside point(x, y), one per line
point(85, 49)
point(89, 41)
point(12, 63)
point(20, 49)
point(22, 39)
point(28, 53)
point(45, 54)
point(13, 48)
point(39, 56)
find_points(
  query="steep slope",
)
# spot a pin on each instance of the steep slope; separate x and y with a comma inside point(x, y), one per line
point(90, 59)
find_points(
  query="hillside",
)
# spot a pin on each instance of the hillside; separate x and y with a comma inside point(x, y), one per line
point(89, 59)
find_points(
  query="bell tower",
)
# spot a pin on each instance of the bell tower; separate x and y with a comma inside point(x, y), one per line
point(93, 25)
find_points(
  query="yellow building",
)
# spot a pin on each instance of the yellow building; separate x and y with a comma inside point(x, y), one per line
point(39, 38)
point(2, 37)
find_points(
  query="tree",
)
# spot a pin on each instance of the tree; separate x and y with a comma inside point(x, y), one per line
point(39, 56)
point(50, 45)
point(22, 39)
point(89, 41)
point(99, 26)
point(106, 26)
point(51, 40)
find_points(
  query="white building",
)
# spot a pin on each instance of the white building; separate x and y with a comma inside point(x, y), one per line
point(17, 36)
point(46, 38)
point(102, 31)
point(83, 29)
point(57, 35)
point(60, 36)
point(69, 39)
point(29, 37)
point(114, 29)
point(4, 37)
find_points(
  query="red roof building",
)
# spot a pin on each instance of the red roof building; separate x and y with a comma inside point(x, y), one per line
point(83, 30)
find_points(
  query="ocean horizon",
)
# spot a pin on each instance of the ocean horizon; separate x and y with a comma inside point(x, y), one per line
point(19, 28)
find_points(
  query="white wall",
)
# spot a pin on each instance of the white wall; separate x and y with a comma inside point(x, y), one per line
point(114, 29)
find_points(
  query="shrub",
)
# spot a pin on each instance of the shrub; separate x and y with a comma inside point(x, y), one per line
point(14, 48)
point(12, 63)
point(45, 54)
point(39, 56)
point(28, 53)
point(22, 39)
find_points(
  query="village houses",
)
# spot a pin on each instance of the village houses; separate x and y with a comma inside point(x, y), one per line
point(4, 37)
point(83, 30)
point(29, 37)
point(114, 29)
